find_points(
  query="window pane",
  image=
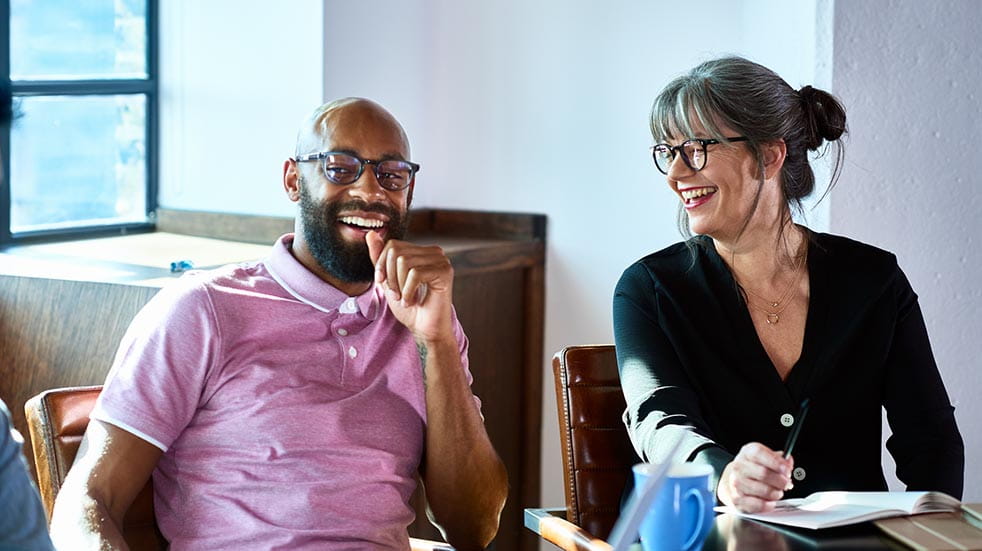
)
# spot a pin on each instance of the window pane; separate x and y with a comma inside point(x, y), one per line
point(72, 39)
point(78, 161)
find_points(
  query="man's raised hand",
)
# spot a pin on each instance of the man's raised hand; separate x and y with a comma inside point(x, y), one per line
point(418, 284)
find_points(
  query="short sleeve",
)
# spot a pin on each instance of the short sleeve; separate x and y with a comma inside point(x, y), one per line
point(162, 364)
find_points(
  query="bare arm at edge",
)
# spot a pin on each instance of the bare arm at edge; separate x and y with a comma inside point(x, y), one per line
point(111, 468)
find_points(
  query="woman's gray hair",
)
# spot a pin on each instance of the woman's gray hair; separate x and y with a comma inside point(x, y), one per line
point(757, 103)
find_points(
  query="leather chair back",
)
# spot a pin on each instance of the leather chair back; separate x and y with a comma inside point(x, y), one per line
point(597, 453)
point(57, 419)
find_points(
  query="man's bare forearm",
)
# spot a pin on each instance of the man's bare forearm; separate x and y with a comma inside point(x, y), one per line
point(466, 482)
point(111, 467)
point(81, 522)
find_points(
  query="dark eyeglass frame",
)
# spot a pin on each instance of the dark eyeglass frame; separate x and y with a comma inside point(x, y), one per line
point(384, 182)
point(680, 150)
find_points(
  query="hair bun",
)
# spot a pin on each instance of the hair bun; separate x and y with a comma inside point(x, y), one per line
point(825, 118)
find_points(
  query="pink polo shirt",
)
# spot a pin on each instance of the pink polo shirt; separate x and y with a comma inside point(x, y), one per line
point(291, 416)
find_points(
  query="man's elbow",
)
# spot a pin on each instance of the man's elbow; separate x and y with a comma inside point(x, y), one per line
point(485, 515)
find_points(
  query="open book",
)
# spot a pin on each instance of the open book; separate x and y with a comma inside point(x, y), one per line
point(828, 509)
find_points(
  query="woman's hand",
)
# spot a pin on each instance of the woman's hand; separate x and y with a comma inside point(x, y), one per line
point(756, 478)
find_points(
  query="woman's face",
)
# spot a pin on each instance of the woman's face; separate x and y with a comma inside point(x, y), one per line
point(719, 197)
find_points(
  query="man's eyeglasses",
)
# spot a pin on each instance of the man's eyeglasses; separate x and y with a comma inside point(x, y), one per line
point(344, 168)
point(693, 153)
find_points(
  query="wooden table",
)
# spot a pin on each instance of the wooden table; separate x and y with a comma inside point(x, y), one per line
point(734, 533)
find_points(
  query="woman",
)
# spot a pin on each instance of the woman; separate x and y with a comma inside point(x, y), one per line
point(722, 337)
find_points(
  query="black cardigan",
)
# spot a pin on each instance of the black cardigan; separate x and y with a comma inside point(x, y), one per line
point(693, 369)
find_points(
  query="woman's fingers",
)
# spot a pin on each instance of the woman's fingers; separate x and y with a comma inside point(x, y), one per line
point(756, 478)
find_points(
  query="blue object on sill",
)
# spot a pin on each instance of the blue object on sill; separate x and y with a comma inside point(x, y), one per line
point(181, 266)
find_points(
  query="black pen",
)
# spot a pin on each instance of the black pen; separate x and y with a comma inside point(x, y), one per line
point(798, 421)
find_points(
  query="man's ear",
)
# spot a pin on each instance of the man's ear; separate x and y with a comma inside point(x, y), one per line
point(291, 180)
point(773, 154)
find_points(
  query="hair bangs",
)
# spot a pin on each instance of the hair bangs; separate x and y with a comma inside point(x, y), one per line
point(684, 109)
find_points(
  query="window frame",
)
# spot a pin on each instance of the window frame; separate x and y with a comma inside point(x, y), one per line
point(35, 88)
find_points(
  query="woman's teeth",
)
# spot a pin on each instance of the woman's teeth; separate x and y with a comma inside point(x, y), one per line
point(691, 194)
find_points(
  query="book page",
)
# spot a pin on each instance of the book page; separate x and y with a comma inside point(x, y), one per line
point(902, 501)
point(838, 516)
point(828, 509)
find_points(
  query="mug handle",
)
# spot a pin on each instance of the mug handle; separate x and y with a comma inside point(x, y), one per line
point(694, 538)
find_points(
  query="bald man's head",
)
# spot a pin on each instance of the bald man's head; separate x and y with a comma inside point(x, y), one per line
point(334, 216)
point(351, 115)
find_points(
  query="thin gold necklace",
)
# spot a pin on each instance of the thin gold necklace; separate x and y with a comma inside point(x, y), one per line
point(774, 317)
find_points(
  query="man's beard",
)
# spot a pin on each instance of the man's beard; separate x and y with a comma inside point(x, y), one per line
point(349, 262)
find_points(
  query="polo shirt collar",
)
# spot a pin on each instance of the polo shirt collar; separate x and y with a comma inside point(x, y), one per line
point(304, 285)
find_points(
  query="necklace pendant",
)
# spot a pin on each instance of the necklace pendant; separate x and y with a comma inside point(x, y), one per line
point(772, 319)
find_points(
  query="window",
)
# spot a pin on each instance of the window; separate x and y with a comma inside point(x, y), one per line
point(80, 156)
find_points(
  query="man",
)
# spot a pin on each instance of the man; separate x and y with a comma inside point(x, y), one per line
point(290, 403)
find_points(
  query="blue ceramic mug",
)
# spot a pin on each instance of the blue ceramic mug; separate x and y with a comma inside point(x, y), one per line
point(681, 514)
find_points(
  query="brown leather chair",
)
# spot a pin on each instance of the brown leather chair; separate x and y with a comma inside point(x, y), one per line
point(597, 453)
point(57, 419)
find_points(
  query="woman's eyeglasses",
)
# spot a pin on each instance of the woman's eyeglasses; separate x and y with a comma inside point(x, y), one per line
point(693, 153)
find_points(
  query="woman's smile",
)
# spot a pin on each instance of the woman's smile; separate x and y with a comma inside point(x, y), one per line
point(693, 197)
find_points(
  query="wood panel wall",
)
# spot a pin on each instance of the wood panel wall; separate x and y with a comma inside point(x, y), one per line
point(56, 333)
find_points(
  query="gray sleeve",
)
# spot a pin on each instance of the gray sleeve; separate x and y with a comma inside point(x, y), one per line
point(22, 521)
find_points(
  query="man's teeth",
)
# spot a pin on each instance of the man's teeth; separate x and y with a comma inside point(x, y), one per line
point(691, 194)
point(363, 222)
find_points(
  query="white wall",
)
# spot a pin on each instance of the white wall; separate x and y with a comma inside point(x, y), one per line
point(909, 74)
point(236, 78)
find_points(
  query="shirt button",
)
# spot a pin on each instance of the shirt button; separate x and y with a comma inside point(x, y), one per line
point(349, 306)
point(787, 419)
point(798, 474)
point(342, 331)
point(352, 352)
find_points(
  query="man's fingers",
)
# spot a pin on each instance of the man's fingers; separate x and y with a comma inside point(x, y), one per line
point(415, 287)
point(404, 263)
point(380, 274)
point(409, 286)
point(392, 272)
point(375, 245)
